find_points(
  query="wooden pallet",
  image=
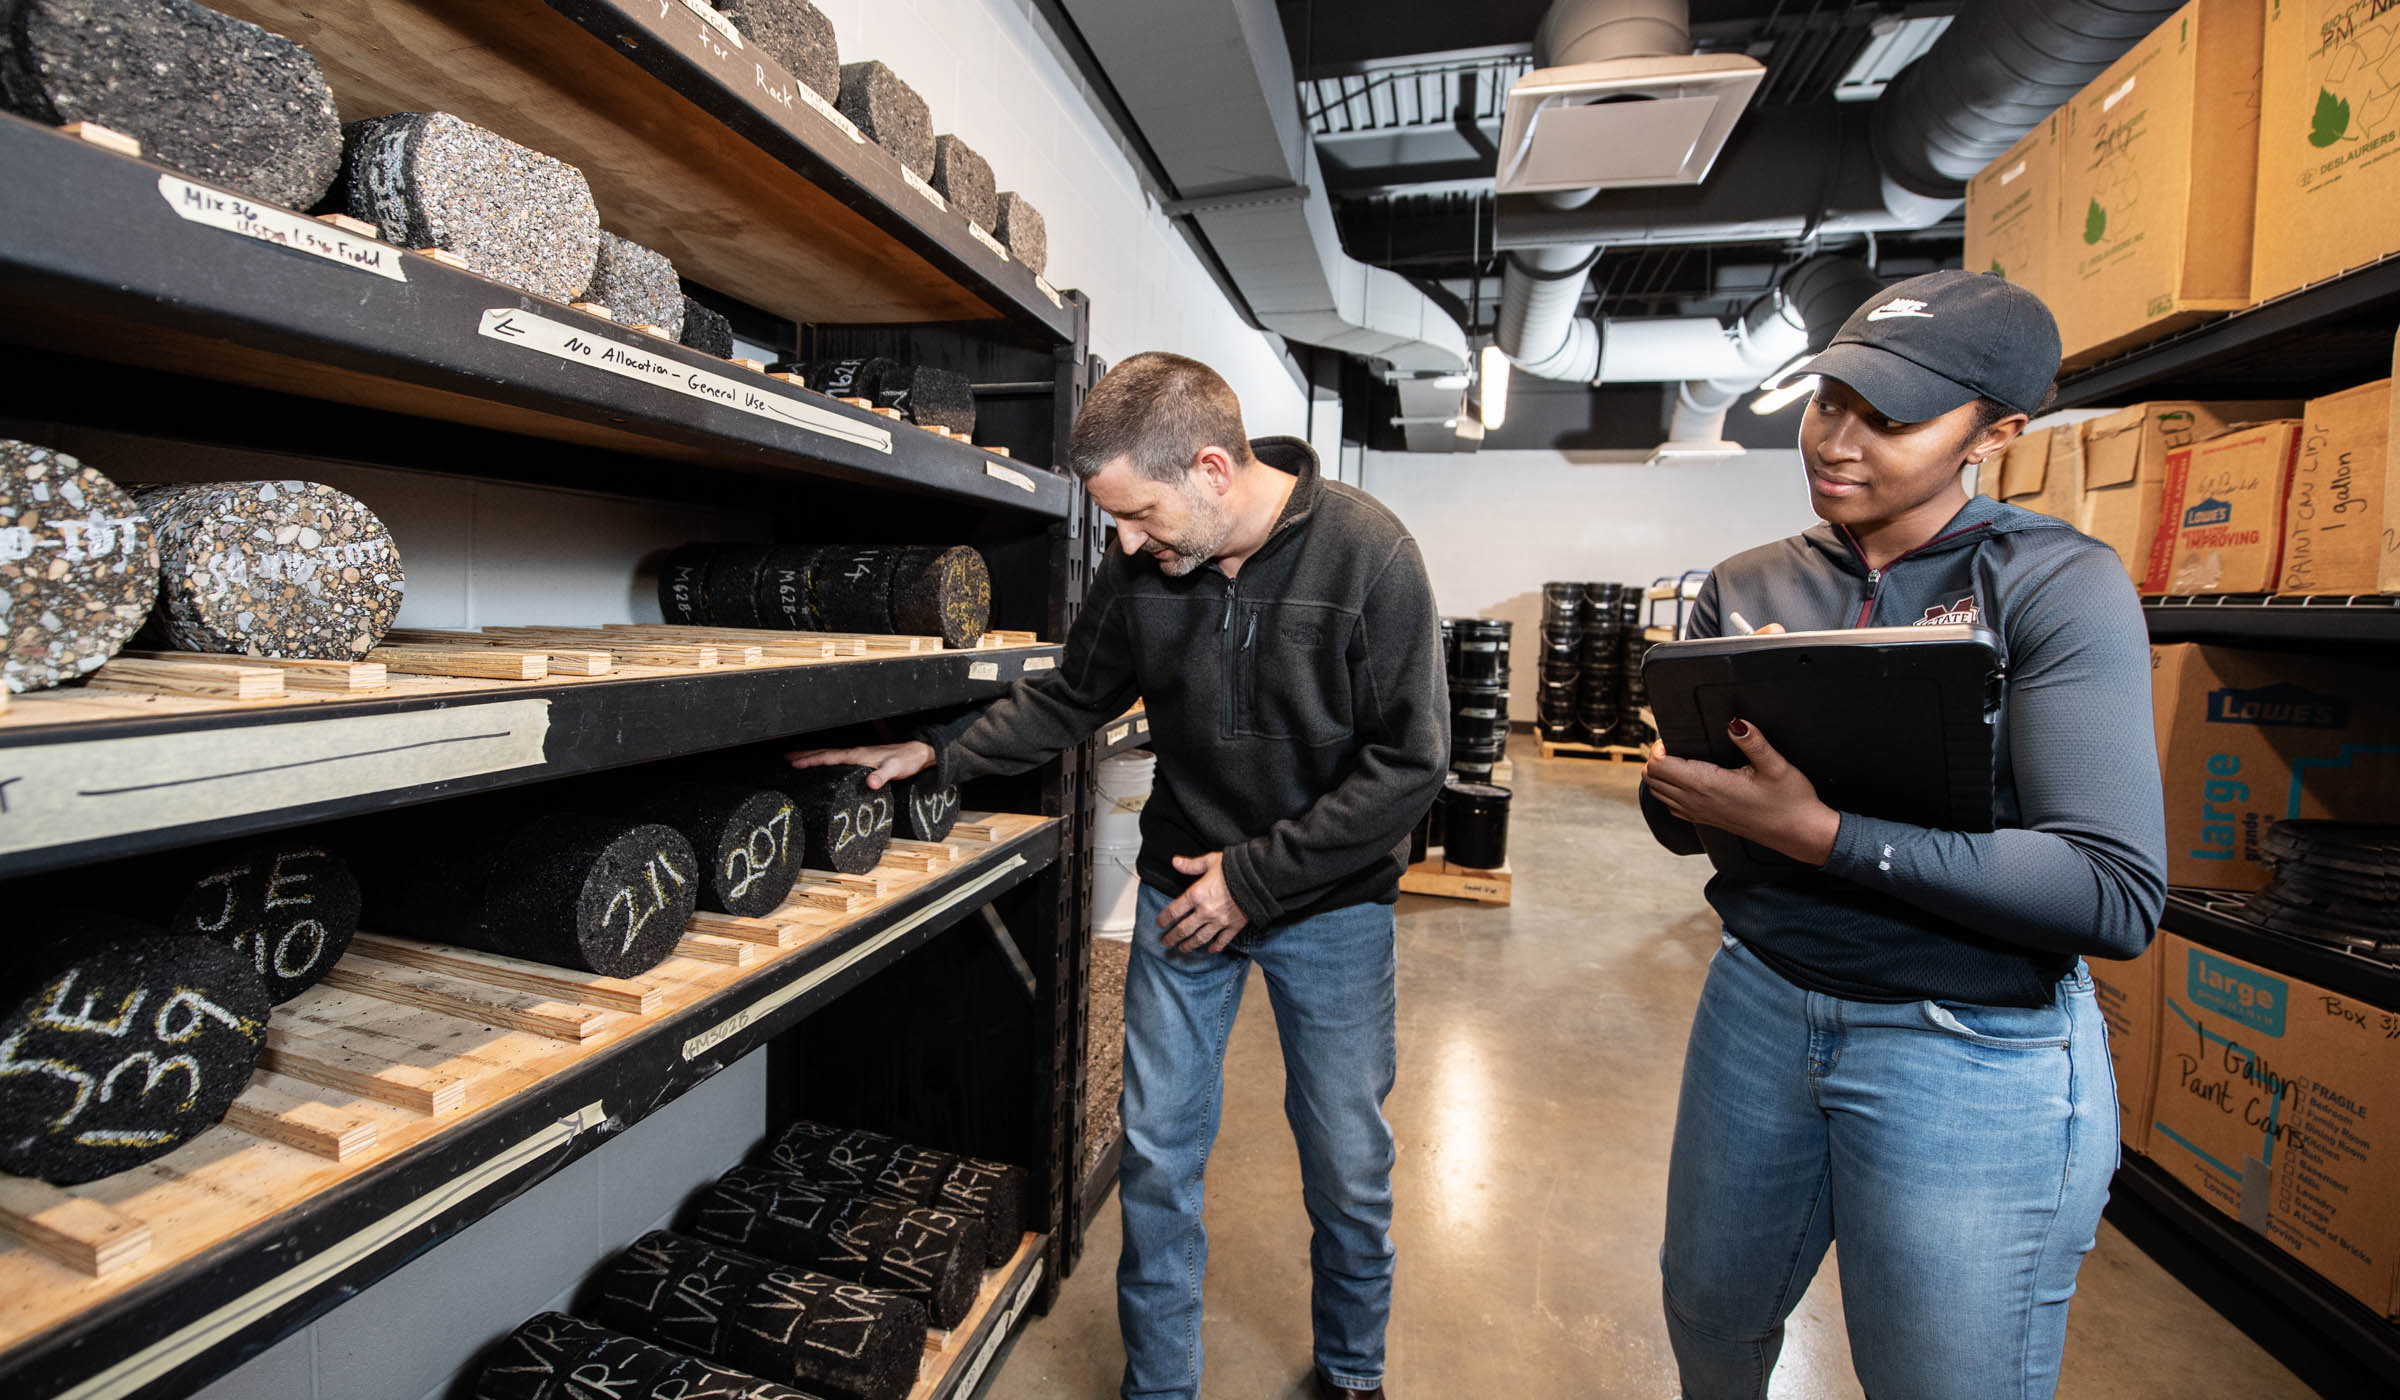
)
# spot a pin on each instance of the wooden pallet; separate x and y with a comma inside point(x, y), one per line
point(947, 1353)
point(1605, 753)
point(1436, 876)
point(405, 1041)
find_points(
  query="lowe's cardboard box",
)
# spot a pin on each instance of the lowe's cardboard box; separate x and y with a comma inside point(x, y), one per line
point(2278, 1102)
point(2128, 994)
point(2220, 513)
point(2012, 212)
point(2125, 469)
point(2344, 509)
point(2248, 738)
point(2328, 143)
point(2158, 171)
point(2043, 471)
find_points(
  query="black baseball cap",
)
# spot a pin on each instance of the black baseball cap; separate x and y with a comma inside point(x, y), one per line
point(1920, 348)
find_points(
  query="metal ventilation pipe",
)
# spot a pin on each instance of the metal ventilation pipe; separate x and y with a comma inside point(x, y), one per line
point(1799, 317)
point(1541, 289)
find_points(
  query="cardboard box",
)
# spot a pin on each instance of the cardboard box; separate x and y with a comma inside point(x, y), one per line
point(2128, 993)
point(2012, 212)
point(2157, 184)
point(2220, 513)
point(2345, 498)
point(2043, 471)
point(2328, 143)
point(2248, 738)
point(2278, 1102)
point(2125, 469)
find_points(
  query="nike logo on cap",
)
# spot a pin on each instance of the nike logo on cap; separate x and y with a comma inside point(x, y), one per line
point(1900, 306)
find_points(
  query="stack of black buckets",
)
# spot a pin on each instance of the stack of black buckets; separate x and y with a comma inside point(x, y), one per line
point(1592, 650)
point(1479, 668)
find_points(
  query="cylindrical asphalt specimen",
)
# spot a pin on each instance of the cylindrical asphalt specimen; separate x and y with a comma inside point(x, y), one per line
point(605, 894)
point(879, 1165)
point(934, 1256)
point(432, 180)
point(848, 825)
point(795, 34)
point(747, 839)
point(552, 1356)
point(924, 812)
point(78, 567)
point(216, 97)
point(707, 330)
point(965, 179)
point(839, 1339)
point(272, 568)
point(637, 285)
point(121, 1045)
point(1022, 231)
point(890, 112)
point(287, 905)
point(937, 592)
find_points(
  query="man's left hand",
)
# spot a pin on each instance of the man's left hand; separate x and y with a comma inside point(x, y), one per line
point(1770, 802)
point(1204, 918)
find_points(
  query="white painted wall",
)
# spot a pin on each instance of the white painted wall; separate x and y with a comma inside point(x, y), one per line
point(988, 71)
point(1496, 526)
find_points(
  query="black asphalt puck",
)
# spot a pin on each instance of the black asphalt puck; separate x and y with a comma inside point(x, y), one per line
point(683, 585)
point(556, 1357)
point(934, 1256)
point(288, 907)
point(847, 825)
point(747, 839)
point(707, 330)
point(924, 811)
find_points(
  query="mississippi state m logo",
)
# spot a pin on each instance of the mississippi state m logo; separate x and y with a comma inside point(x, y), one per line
point(1964, 610)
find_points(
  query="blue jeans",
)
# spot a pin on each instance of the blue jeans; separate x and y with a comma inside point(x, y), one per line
point(1332, 981)
point(1960, 1153)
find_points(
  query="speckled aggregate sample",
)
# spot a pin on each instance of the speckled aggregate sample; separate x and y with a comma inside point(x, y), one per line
point(837, 1338)
point(965, 179)
point(934, 1256)
point(556, 1357)
point(890, 112)
point(204, 92)
point(113, 1009)
point(272, 568)
point(636, 284)
point(431, 180)
point(602, 893)
point(944, 593)
point(78, 566)
point(795, 34)
point(706, 330)
point(1022, 232)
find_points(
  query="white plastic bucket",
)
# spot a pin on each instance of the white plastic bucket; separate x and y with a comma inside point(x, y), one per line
point(1115, 891)
point(1123, 785)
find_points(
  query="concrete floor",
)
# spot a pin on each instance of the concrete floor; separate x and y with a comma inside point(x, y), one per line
point(1540, 1046)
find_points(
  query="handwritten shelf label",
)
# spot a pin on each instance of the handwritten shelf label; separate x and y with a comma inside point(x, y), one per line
point(1047, 290)
point(1118, 732)
point(1010, 475)
point(59, 794)
point(983, 670)
point(917, 183)
point(709, 16)
point(832, 114)
point(578, 346)
point(999, 249)
point(250, 219)
point(1041, 663)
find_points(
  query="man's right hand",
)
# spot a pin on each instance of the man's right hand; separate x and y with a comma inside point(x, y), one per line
point(891, 762)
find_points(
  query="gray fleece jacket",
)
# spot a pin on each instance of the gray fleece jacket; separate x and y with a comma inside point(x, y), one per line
point(1298, 709)
point(2078, 864)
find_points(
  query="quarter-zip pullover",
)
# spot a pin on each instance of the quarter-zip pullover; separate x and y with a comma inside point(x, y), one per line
point(2077, 866)
point(1298, 708)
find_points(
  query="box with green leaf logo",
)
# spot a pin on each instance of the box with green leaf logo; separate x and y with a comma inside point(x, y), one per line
point(2012, 212)
point(2329, 141)
point(2157, 171)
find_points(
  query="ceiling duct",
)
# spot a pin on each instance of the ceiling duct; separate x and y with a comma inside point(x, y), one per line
point(1210, 84)
point(1620, 99)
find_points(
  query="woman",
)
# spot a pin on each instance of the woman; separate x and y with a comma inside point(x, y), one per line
point(1899, 1046)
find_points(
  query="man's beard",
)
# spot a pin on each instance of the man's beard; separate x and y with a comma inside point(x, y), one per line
point(1210, 525)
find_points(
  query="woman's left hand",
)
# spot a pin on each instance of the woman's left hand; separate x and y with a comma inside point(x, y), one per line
point(1770, 802)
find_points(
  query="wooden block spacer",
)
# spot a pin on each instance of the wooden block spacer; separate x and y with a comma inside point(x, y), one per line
point(105, 138)
point(594, 308)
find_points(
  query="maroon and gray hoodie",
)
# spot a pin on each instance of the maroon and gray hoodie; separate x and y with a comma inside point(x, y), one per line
point(2078, 864)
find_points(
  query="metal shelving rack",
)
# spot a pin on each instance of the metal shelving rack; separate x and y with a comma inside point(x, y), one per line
point(2323, 338)
point(176, 326)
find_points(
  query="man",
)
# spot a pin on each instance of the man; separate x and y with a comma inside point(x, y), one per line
point(1281, 630)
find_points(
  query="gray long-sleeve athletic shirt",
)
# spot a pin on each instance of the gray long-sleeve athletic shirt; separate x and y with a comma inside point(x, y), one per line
point(2078, 864)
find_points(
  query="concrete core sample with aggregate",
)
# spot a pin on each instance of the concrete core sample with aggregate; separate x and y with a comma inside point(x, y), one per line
point(272, 568)
point(795, 34)
point(637, 285)
point(78, 567)
point(965, 179)
point(1023, 232)
point(432, 180)
point(890, 112)
point(211, 95)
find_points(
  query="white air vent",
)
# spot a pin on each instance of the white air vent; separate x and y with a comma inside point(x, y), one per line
point(1622, 122)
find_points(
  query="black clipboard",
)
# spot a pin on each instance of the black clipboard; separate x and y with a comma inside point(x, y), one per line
point(1891, 722)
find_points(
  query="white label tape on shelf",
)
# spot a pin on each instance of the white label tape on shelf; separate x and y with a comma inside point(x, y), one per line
point(832, 114)
point(1047, 290)
point(577, 345)
point(915, 182)
point(1010, 475)
point(82, 790)
point(998, 248)
point(709, 16)
point(1118, 732)
point(1041, 663)
point(983, 670)
point(160, 1358)
point(1001, 1327)
point(758, 1010)
point(251, 219)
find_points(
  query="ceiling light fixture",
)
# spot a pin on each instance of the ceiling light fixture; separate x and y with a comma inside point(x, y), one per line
point(1494, 366)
